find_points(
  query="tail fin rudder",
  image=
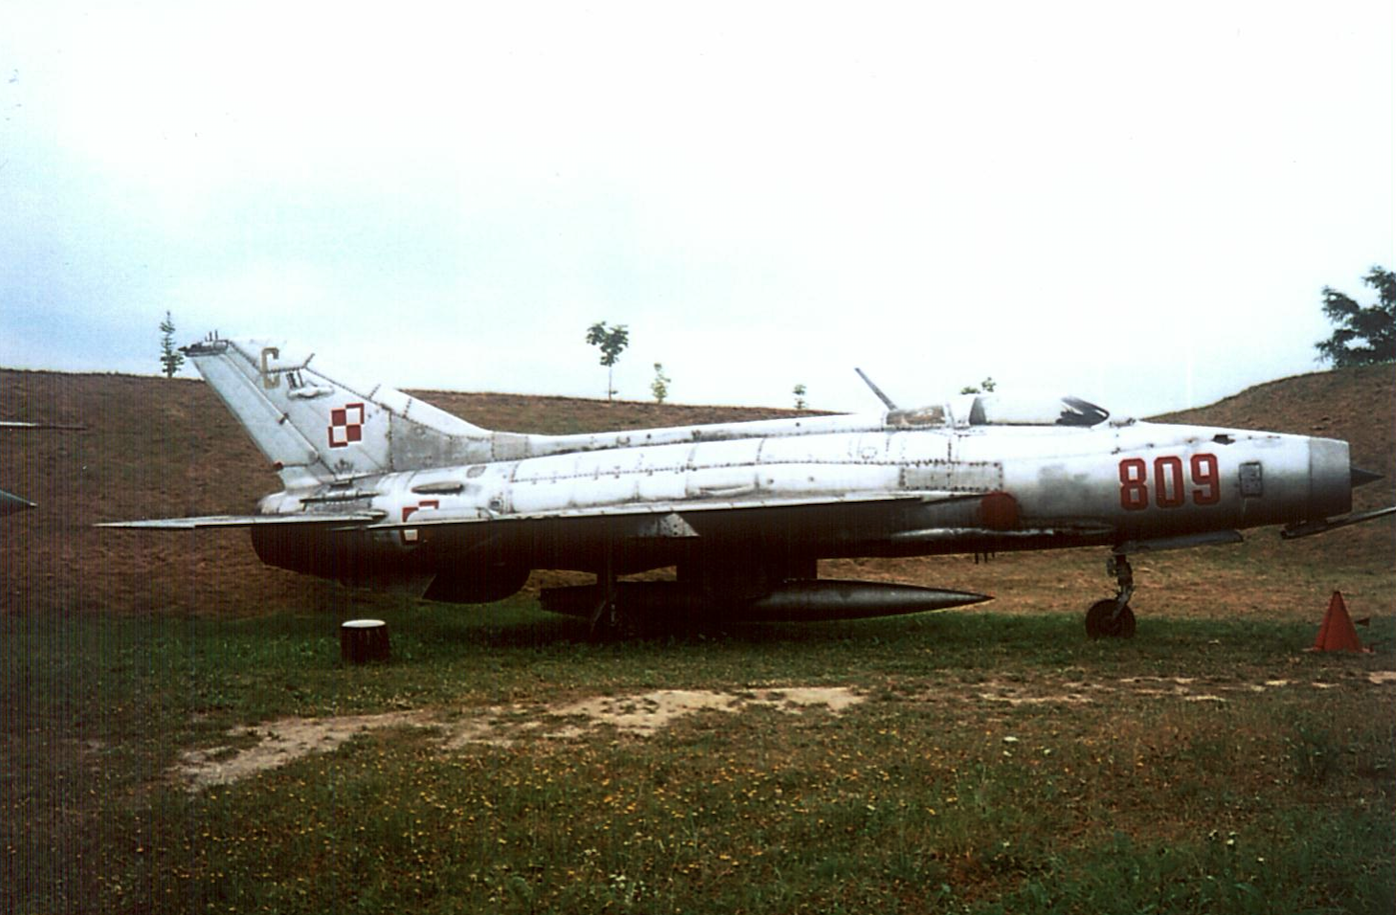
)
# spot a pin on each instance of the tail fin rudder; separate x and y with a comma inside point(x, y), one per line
point(316, 426)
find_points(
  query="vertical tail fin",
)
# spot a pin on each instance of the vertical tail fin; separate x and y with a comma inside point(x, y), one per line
point(317, 426)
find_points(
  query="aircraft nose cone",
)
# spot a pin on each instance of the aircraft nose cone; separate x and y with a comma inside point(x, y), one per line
point(1362, 477)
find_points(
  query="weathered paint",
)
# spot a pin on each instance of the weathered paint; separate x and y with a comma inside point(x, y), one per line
point(405, 493)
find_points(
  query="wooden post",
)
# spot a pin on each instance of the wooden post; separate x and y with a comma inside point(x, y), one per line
point(361, 641)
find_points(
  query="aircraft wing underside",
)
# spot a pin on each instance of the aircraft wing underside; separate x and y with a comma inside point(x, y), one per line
point(669, 513)
point(373, 519)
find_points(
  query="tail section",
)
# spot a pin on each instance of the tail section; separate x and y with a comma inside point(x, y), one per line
point(316, 426)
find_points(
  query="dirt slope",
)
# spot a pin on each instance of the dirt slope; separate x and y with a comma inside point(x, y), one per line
point(160, 448)
point(1356, 405)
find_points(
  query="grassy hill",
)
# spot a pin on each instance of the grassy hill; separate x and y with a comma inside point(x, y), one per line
point(158, 448)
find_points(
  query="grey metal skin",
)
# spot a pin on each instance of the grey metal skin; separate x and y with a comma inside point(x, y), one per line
point(384, 490)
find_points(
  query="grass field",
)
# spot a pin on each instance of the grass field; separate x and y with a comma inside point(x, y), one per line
point(986, 763)
point(181, 736)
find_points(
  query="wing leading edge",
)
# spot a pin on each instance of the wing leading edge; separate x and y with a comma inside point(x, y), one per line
point(374, 519)
point(210, 521)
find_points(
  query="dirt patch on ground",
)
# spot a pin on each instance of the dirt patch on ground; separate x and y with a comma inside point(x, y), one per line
point(1067, 692)
point(266, 746)
point(279, 742)
point(646, 714)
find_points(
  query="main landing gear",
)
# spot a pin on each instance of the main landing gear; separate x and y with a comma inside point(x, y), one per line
point(1112, 618)
point(606, 619)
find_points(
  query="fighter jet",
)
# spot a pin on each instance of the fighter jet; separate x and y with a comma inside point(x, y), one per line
point(383, 490)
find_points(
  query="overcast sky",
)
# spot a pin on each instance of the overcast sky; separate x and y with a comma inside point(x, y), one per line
point(1136, 203)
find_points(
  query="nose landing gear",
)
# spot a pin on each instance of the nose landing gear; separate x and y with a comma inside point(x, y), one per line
point(1112, 617)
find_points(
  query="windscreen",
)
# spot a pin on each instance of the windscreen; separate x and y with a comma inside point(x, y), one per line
point(996, 410)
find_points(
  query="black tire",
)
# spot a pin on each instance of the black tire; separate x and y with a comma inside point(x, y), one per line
point(1098, 618)
point(1102, 620)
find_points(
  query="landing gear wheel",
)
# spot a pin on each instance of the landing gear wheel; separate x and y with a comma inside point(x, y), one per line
point(1111, 618)
point(605, 621)
point(1098, 617)
point(1107, 619)
point(606, 618)
point(1125, 623)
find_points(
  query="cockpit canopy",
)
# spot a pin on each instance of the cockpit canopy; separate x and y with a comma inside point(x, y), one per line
point(996, 410)
point(1003, 410)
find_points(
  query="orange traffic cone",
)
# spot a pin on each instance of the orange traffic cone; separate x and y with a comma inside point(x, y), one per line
point(1337, 632)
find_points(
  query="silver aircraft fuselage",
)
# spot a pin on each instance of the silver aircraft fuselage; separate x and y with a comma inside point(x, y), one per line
point(381, 489)
point(951, 491)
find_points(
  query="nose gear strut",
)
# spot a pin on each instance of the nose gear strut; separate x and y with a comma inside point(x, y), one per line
point(1112, 617)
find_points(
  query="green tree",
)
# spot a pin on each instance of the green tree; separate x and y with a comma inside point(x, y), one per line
point(660, 386)
point(611, 341)
point(799, 392)
point(171, 359)
point(1362, 336)
point(986, 386)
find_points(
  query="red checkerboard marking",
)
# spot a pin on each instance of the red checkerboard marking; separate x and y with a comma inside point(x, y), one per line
point(346, 425)
point(410, 535)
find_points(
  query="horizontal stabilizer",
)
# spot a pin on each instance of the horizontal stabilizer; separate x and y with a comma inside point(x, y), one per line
point(11, 503)
point(207, 521)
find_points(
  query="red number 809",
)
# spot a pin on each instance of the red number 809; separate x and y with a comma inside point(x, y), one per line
point(1169, 485)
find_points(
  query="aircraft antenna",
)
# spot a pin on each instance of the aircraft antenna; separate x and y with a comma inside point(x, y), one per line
point(875, 389)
